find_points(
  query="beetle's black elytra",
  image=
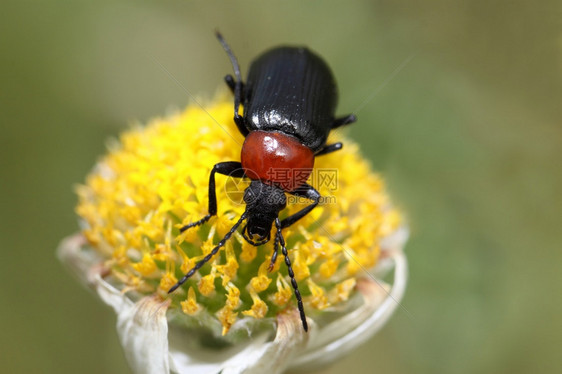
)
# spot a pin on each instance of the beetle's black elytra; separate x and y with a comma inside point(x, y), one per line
point(289, 100)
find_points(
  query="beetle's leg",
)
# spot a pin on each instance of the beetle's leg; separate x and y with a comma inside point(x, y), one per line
point(280, 240)
point(274, 255)
point(210, 255)
point(238, 119)
point(350, 118)
point(330, 148)
point(230, 168)
point(308, 192)
point(235, 85)
point(231, 83)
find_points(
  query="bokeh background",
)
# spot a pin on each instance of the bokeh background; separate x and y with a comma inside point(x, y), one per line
point(467, 133)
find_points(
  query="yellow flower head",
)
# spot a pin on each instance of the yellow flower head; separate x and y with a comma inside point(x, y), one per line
point(155, 180)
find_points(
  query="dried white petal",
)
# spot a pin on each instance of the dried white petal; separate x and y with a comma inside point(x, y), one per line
point(151, 345)
point(260, 355)
point(143, 330)
point(343, 335)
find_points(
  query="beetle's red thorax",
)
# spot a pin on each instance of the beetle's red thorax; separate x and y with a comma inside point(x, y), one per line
point(274, 157)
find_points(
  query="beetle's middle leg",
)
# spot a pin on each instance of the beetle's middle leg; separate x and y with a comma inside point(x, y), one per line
point(329, 148)
point(338, 122)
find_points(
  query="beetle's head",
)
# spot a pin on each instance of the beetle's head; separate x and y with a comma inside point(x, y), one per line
point(263, 204)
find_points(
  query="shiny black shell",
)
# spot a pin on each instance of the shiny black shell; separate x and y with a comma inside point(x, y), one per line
point(292, 90)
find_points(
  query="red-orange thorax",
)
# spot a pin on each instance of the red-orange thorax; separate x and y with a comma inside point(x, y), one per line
point(274, 157)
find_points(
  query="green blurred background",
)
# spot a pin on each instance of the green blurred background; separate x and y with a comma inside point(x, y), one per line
point(468, 135)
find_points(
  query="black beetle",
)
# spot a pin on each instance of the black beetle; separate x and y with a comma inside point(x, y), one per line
point(289, 102)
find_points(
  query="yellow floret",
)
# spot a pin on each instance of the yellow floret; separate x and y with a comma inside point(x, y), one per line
point(226, 315)
point(190, 306)
point(258, 309)
point(207, 283)
point(167, 281)
point(260, 282)
point(147, 266)
point(318, 298)
point(341, 291)
point(284, 292)
point(155, 180)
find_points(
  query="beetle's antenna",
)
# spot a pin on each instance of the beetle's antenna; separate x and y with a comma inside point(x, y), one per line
point(233, 59)
point(210, 255)
point(280, 240)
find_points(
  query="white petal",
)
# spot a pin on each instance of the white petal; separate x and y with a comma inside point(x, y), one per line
point(259, 355)
point(143, 330)
point(343, 335)
point(142, 326)
point(73, 253)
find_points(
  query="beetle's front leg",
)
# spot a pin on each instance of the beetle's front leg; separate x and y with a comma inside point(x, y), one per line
point(279, 240)
point(230, 168)
point(274, 255)
point(308, 192)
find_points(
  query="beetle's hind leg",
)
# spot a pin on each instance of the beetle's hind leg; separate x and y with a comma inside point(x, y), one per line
point(231, 83)
point(342, 121)
point(235, 84)
point(238, 95)
point(230, 168)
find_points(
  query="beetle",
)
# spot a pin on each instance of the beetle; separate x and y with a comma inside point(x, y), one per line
point(289, 102)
